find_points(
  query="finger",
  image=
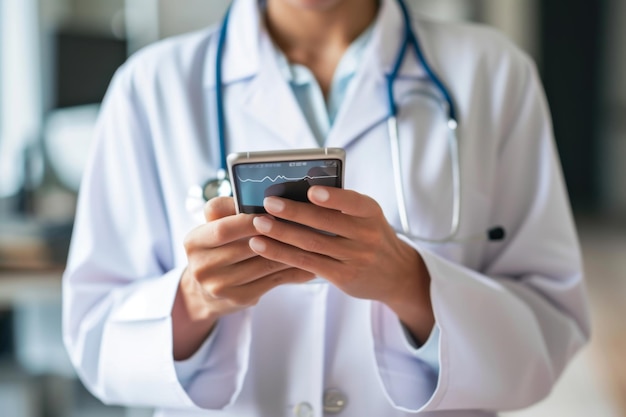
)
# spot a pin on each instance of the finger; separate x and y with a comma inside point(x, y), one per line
point(220, 232)
point(317, 264)
point(302, 237)
point(346, 201)
point(320, 218)
point(223, 256)
point(219, 207)
point(249, 294)
point(218, 282)
point(286, 276)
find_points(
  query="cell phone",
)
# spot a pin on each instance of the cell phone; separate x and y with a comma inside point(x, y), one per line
point(288, 174)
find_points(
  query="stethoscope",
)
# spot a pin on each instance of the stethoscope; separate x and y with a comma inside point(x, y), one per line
point(221, 186)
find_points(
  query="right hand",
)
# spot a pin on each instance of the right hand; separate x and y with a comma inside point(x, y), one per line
point(223, 274)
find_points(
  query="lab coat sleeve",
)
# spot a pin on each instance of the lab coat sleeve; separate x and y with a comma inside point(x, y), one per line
point(408, 372)
point(120, 282)
point(507, 330)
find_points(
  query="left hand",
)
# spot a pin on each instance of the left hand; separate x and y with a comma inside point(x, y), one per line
point(360, 253)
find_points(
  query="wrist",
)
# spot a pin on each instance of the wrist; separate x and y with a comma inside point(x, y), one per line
point(412, 303)
point(192, 301)
point(192, 318)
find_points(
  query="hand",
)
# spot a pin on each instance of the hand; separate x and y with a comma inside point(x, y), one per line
point(223, 274)
point(360, 252)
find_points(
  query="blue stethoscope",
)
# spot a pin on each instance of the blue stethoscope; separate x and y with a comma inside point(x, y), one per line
point(221, 186)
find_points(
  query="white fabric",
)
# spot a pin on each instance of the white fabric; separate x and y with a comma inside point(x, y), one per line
point(510, 314)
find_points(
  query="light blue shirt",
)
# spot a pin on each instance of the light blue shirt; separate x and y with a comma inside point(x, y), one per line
point(319, 113)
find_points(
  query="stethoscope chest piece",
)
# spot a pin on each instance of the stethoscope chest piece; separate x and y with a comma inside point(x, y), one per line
point(198, 195)
point(217, 187)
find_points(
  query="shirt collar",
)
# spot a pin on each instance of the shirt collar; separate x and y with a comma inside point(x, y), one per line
point(241, 58)
point(299, 75)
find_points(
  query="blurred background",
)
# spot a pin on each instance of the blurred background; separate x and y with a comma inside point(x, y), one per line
point(57, 58)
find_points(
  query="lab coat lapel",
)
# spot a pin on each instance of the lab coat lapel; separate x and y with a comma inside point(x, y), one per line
point(250, 58)
point(240, 59)
point(272, 103)
point(367, 105)
point(365, 108)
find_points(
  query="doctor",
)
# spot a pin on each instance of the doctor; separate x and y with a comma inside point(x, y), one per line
point(213, 316)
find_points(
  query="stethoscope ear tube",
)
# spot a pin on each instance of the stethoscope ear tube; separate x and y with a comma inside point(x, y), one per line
point(411, 38)
point(394, 144)
point(219, 186)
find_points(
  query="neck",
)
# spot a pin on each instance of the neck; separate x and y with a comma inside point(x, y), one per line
point(304, 32)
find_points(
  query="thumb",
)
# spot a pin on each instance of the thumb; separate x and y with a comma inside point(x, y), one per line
point(219, 207)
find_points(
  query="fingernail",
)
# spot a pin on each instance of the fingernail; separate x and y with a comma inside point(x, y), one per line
point(319, 194)
point(262, 224)
point(273, 205)
point(257, 245)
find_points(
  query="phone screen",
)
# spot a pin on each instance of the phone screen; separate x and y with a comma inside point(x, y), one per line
point(288, 179)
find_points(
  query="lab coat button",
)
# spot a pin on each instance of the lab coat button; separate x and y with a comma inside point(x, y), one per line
point(334, 401)
point(303, 410)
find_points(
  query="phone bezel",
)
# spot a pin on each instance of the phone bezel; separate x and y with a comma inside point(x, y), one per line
point(282, 156)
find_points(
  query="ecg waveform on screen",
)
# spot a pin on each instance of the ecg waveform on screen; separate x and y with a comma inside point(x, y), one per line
point(284, 178)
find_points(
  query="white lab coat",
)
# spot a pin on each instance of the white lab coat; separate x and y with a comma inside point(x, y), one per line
point(511, 314)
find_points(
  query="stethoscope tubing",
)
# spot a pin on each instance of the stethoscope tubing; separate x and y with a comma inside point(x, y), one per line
point(411, 38)
point(394, 144)
point(219, 95)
